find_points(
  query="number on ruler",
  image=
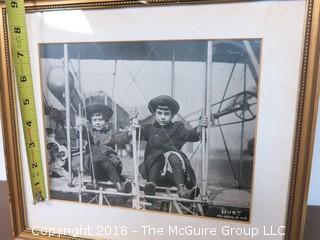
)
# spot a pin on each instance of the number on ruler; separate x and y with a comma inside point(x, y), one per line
point(29, 123)
point(14, 4)
point(34, 165)
point(19, 54)
point(26, 101)
point(23, 78)
point(31, 145)
point(17, 30)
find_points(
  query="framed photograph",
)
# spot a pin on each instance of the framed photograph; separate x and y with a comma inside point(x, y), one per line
point(165, 119)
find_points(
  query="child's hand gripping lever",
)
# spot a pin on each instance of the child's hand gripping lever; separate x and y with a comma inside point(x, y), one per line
point(133, 120)
point(203, 123)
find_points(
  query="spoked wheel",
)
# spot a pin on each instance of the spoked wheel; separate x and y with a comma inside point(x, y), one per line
point(245, 105)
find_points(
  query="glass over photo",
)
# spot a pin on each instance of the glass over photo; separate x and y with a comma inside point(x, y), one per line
point(153, 125)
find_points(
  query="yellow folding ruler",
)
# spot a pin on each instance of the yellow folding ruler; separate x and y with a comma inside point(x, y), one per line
point(21, 59)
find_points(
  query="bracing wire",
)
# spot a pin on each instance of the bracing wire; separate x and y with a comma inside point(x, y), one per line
point(227, 86)
point(134, 77)
point(227, 151)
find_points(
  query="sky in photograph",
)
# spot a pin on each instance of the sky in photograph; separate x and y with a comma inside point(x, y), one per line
point(132, 83)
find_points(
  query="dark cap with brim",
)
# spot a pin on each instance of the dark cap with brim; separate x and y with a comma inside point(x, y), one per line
point(164, 100)
point(99, 108)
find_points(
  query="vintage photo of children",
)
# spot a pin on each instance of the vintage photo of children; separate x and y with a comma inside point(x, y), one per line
point(153, 125)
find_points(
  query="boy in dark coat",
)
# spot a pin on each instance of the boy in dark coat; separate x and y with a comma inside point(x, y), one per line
point(106, 163)
point(164, 162)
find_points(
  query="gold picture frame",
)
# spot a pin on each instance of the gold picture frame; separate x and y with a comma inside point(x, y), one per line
point(305, 119)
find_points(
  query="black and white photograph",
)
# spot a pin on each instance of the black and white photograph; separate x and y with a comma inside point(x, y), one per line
point(165, 126)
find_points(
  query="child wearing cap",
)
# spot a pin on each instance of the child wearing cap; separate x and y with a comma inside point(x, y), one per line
point(107, 165)
point(164, 163)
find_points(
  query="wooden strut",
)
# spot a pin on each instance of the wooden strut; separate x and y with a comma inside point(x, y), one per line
point(67, 100)
point(136, 202)
point(81, 150)
point(80, 132)
point(114, 103)
point(205, 113)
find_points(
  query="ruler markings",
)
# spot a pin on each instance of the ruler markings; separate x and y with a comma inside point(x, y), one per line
point(21, 59)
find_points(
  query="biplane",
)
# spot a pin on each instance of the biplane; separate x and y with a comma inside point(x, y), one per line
point(228, 100)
